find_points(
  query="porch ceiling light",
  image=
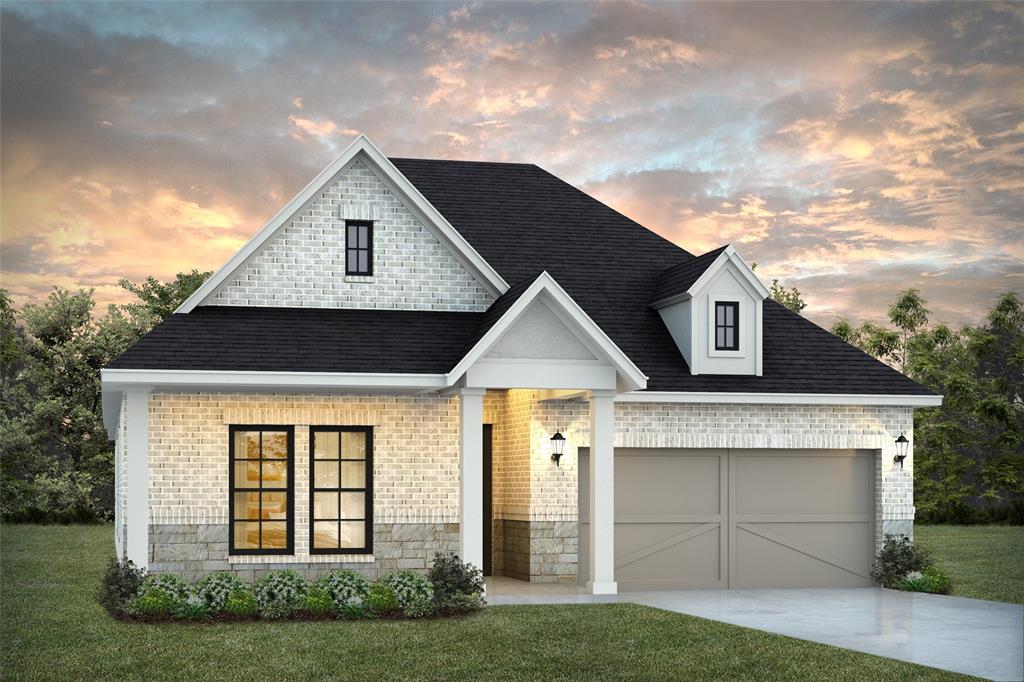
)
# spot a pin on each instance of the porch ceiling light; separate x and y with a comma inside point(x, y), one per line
point(901, 450)
point(557, 447)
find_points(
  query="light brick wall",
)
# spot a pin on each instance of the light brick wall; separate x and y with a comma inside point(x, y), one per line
point(416, 455)
point(675, 425)
point(303, 265)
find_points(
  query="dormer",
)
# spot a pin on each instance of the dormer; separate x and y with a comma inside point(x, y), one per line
point(712, 306)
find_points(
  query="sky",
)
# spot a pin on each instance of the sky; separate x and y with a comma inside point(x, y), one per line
point(850, 150)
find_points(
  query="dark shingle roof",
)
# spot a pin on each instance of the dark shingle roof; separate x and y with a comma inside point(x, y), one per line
point(522, 220)
point(304, 340)
point(679, 278)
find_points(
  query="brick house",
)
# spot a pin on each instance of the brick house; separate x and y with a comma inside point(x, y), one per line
point(416, 356)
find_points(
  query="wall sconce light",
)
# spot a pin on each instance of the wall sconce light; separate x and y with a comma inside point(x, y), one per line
point(901, 450)
point(557, 447)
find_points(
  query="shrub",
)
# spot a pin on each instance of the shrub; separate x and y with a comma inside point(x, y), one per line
point(193, 607)
point(317, 602)
point(419, 607)
point(345, 587)
point(381, 598)
point(451, 577)
point(171, 584)
point(280, 593)
point(467, 601)
point(153, 602)
point(120, 585)
point(353, 610)
point(408, 586)
point(932, 580)
point(215, 588)
point(241, 603)
point(898, 557)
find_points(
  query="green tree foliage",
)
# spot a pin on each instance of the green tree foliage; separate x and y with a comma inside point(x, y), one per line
point(791, 297)
point(161, 299)
point(56, 462)
point(968, 453)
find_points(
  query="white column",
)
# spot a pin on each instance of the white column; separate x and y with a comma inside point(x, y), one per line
point(471, 476)
point(137, 470)
point(602, 494)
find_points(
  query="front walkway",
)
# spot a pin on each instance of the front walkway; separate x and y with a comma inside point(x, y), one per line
point(969, 636)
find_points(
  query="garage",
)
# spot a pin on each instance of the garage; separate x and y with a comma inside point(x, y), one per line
point(687, 518)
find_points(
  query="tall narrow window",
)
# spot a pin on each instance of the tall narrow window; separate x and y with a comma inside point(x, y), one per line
point(358, 247)
point(260, 498)
point(341, 482)
point(727, 326)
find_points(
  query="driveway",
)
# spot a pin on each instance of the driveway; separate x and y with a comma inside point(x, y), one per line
point(970, 636)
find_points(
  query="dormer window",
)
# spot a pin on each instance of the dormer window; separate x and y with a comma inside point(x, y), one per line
point(727, 325)
point(359, 248)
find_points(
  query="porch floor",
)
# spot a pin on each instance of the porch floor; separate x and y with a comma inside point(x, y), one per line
point(503, 590)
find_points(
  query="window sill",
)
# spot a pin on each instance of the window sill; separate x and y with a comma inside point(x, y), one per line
point(303, 558)
point(359, 279)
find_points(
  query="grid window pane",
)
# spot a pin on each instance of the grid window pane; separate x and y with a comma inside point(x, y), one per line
point(325, 445)
point(353, 505)
point(729, 337)
point(353, 261)
point(364, 237)
point(325, 474)
point(247, 535)
point(729, 310)
point(353, 474)
point(364, 261)
point(247, 474)
point(247, 445)
point(275, 473)
point(325, 534)
point(275, 445)
point(353, 534)
point(325, 505)
point(353, 445)
point(350, 236)
point(247, 506)
point(273, 535)
point(275, 505)
point(719, 337)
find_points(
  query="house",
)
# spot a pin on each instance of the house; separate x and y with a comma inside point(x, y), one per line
point(380, 373)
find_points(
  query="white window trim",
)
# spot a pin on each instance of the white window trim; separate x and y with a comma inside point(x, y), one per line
point(713, 300)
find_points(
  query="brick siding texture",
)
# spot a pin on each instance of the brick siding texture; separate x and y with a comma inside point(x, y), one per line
point(303, 264)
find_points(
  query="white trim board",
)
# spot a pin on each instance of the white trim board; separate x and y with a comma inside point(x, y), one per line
point(363, 147)
point(781, 398)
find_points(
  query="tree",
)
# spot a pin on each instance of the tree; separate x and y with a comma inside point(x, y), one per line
point(791, 298)
point(909, 315)
point(161, 299)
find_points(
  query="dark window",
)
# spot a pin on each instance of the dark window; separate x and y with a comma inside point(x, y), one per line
point(358, 247)
point(260, 484)
point(341, 484)
point(727, 326)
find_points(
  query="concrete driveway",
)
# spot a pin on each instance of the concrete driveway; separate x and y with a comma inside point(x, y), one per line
point(970, 636)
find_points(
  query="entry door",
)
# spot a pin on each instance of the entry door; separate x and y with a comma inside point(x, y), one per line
point(488, 501)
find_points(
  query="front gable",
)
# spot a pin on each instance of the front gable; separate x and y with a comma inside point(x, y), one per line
point(420, 262)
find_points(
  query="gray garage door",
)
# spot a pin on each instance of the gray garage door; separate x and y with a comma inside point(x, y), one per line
point(738, 518)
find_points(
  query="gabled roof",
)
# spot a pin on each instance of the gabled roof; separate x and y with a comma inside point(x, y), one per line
point(685, 280)
point(521, 220)
point(363, 149)
point(508, 309)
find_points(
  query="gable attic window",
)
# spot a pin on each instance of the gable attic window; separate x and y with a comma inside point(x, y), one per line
point(727, 325)
point(359, 247)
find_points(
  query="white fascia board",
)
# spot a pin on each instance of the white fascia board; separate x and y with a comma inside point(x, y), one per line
point(782, 398)
point(362, 145)
point(123, 378)
point(729, 255)
point(572, 312)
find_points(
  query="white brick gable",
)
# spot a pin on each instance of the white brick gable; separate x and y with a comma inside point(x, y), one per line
point(303, 264)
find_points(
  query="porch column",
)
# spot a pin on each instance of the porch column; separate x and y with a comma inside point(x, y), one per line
point(137, 470)
point(471, 476)
point(602, 494)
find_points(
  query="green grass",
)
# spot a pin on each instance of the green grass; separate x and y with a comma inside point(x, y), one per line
point(985, 562)
point(53, 629)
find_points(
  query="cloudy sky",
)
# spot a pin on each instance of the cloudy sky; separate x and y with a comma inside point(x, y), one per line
point(851, 150)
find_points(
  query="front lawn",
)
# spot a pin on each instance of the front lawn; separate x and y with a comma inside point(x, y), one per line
point(985, 562)
point(53, 629)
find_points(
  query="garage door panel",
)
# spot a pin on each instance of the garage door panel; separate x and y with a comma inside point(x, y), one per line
point(759, 561)
point(686, 559)
point(807, 483)
point(649, 484)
